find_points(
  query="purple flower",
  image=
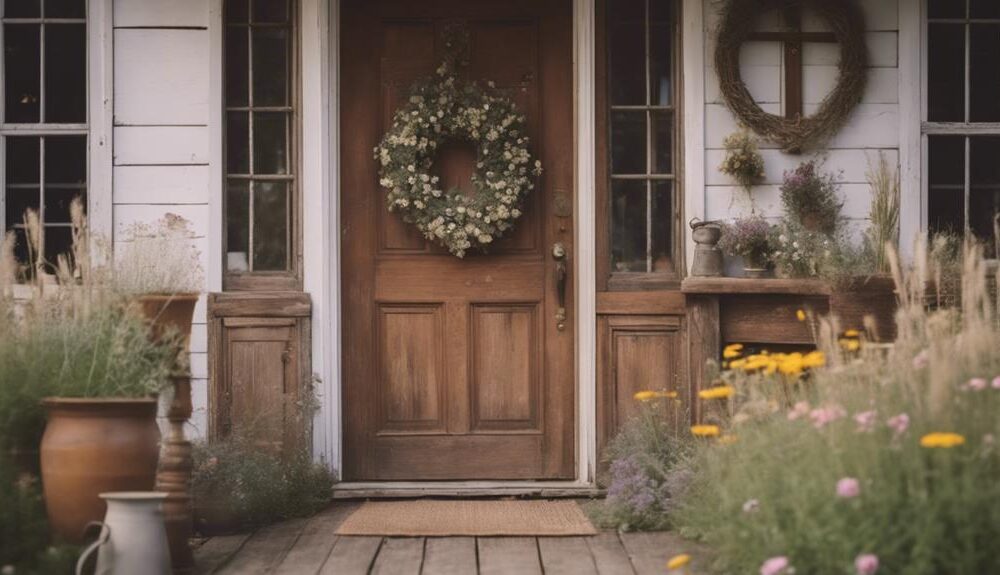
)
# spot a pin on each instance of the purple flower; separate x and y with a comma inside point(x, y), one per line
point(631, 486)
point(899, 423)
point(866, 421)
point(823, 416)
point(996, 382)
point(776, 566)
point(976, 384)
point(922, 359)
point(848, 488)
point(866, 564)
point(800, 410)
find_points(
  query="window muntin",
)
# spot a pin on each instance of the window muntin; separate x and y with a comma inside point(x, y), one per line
point(260, 110)
point(642, 136)
point(43, 123)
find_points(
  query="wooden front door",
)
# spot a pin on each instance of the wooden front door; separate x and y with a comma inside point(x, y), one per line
point(455, 368)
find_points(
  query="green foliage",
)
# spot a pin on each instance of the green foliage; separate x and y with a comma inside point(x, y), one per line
point(252, 486)
point(24, 531)
point(920, 510)
point(883, 231)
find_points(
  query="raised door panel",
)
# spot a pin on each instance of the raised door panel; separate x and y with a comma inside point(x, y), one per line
point(411, 386)
point(505, 367)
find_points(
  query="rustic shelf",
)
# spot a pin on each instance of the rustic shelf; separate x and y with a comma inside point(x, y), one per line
point(745, 286)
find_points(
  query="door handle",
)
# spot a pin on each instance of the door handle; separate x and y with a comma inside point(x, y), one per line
point(560, 255)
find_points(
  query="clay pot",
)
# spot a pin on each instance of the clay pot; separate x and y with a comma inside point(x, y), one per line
point(859, 297)
point(92, 446)
point(168, 313)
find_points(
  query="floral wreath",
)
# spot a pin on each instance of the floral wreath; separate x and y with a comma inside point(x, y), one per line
point(442, 108)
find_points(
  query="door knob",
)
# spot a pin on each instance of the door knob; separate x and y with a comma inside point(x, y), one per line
point(561, 257)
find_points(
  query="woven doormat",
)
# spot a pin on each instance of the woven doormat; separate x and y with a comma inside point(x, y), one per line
point(434, 518)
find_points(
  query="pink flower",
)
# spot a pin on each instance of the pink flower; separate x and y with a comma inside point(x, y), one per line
point(848, 488)
point(866, 421)
point(776, 566)
point(866, 564)
point(976, 384)
point(825, 415)
point(800, 410)
point(751, 506)
point(996, 382)
point(922, 359)
point(899, 423)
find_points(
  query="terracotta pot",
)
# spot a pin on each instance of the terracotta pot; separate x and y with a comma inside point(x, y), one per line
point(92, 446)
point(166, 313)
point(873, 296)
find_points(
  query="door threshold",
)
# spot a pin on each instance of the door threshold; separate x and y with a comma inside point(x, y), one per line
point(417, 489)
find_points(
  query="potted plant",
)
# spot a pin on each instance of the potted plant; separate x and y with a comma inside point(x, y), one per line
point(810, 198)
point(743, 161)
point(81, 360)
point(749, 238)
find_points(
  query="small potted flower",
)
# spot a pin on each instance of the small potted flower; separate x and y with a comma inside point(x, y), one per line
point(749, 238)
point(809, 197)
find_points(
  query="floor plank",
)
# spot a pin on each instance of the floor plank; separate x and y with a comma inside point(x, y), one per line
point(650, 552)
point(609, 554)
point(508, 556)
point(352, 556)
point(316, 541)
point(450, 556)
point(265, 549)
point(216, 551)
point(566, 556)
point(400, 556)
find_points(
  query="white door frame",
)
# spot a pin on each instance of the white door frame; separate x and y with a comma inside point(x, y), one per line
point(319, 25)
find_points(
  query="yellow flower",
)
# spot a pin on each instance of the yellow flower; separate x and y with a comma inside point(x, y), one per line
point(728, 439)
point(732, 351)
point(941, 440)
point(678, 561)
point(814, 359)
point(801, 315)
point(721, 392)
point(705, 430)
point(650, 395)
point(852, 333)
point(737, 364)
point(850, 344)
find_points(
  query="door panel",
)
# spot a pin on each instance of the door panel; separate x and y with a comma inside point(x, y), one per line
point(454, 368)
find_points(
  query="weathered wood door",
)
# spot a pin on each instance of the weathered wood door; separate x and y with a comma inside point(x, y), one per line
point(455, 368)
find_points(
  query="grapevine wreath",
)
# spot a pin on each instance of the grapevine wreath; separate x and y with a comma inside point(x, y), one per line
point(440, 109)
point(848, 25)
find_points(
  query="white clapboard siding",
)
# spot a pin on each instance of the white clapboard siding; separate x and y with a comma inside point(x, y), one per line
point(851, 165)
point(161, 145)
point(161, 77)
point(722, 202)
point(127, 214)
point(819, 81)
point(161, 13)
point(161, 184)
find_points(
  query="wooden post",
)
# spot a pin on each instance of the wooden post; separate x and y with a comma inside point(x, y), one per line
point(174, 476)
point(704, 342)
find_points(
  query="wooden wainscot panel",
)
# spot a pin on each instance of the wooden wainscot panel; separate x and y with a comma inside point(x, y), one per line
point(638, 353)
point(259, 366)
point(768, 319)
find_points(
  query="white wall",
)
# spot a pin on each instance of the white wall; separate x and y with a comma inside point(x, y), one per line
point(163, 150)
point(872, 129)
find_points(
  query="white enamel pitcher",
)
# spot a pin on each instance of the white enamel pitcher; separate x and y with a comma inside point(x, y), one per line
point(133, 538)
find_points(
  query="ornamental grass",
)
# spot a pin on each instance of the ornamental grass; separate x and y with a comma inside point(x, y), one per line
point(879, 459)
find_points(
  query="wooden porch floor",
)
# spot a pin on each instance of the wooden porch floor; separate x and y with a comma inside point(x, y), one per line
point(309, 546)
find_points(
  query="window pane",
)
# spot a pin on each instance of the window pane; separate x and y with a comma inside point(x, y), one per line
point(946, 198)
point(270, 226)
point(663, 142)
point(270, 10)
point(984, 8)
point(237, 143)
point(947, 8)
point(20, 246)
point(627, 45)
point(237, 66)
point(66, 159)
point(237, 226)
point(661, 53)
point(58, 241)
point(23, 160)
point(22, 67)
point(20, 200)
point(984, 198)
point(270, 67)
point(946, 73)
point(57, 202)
point(22, 8)
point(65, 9)
point(270, 143)
point(663, 225)
point(628, 142)
point(985, 72)
point(628, 226)
point(236, 10)
point(66, 73)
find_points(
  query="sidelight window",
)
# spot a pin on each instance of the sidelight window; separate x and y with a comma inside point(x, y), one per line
point(43, 120)
point(261, 185)
point(962, 126)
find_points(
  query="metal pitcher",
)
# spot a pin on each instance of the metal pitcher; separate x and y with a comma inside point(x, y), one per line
point(133, 538)
point(708, 260)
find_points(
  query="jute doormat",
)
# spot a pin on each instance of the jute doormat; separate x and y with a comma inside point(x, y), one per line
point(433, 518)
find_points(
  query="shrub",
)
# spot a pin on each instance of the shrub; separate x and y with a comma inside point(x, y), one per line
point(888, 456)
point(24, 531)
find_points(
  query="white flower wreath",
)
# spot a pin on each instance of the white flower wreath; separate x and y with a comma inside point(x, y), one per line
point(442, 108)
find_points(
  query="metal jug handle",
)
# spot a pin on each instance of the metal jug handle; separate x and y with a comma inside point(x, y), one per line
point(102, 538)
